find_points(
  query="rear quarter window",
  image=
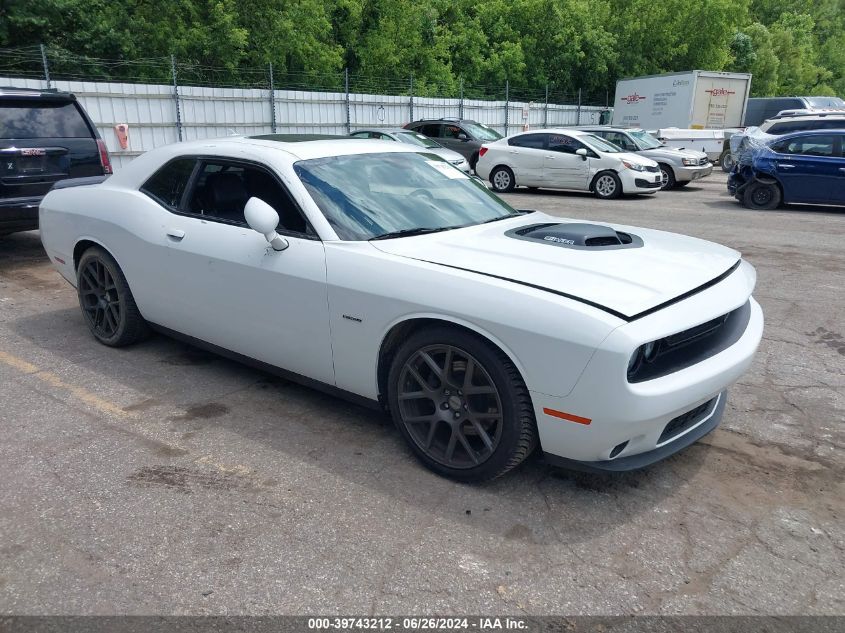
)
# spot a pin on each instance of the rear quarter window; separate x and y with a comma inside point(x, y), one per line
point(168, 184)
point(25, 118)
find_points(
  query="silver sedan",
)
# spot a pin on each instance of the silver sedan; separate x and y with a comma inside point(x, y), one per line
point(416, 139)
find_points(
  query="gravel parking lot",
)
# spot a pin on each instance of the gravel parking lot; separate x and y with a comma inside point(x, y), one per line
point(162, 479)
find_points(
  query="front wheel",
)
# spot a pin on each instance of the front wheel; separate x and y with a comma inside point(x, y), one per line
point(607, 186)
point(667, 177)
point(726, 161)
point(461, 405)
point(502, 180)
point(106, 301)
point(762, 196)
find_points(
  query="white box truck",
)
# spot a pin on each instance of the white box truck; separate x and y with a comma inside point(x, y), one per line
point(698, 100)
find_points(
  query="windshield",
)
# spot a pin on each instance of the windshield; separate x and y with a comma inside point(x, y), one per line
point(599, 144)
point(368, 195)
point(644, 140)
point(482, 132)
point(416, 139)
point(825, 102)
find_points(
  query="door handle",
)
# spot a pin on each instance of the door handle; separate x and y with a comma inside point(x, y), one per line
point(175, 234)
point(785, 166)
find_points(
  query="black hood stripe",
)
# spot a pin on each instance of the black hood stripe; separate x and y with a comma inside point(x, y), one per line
point(593, 304)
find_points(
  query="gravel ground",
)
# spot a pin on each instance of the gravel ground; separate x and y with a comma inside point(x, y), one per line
point(164, 480)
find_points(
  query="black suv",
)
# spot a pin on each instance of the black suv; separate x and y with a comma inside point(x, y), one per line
point(464, 136)
point(45, 136)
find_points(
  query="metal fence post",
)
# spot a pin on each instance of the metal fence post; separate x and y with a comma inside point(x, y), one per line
point(507, 104)
point(176, 97)
point(461, 102)
point(546, 108)
point(346, 87)
point(411, 101)
point(272, 101)
point(578, 122)
point(46, 65)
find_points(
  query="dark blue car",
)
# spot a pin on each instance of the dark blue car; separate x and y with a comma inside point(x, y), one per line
point(803, 167)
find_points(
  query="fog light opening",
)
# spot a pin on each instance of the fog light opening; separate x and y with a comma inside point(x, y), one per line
point(618, 449)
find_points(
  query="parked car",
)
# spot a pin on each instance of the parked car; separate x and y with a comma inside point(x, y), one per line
point(782, 123)
point(678, 167)
point(380, 274)
point(464, 136)
point(803, 167)
point(45, 136)
point(417, 140)
point(759, 109)
point(566, 159)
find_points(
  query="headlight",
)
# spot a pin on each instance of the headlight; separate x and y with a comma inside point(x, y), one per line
point(634, 166)
point(690, 162)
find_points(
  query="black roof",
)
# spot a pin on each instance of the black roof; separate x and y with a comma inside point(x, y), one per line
point(12, 92)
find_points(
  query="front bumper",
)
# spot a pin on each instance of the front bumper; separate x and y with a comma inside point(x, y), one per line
point(706, 422)
point(687, 174)
point(639, 181)
point(630, 419)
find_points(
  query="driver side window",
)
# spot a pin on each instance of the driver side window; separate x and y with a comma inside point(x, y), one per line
point(222, 188)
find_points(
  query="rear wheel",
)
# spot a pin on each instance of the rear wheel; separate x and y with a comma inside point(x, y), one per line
point(667, 177)
point(762, 196)
point(502, 179)
point(607, 186)
point(726, 161)
point(460, 404)
point(106, 301)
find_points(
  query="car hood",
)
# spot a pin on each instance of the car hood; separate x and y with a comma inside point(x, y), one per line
point(444, 153)
point(672, 153)
point(627, 282)
point(632, 157)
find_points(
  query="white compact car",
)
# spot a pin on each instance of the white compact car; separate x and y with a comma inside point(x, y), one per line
point(566, 159)
point(388, 276)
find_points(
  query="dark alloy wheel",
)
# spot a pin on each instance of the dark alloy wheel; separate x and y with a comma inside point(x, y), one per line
point(106, 301)
point(461, 405)
point(761, 196)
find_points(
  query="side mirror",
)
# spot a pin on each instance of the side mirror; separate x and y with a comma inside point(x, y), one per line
point(582, 153)
point(263, 218)
point(463, 137)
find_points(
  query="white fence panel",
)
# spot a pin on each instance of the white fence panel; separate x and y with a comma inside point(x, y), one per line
point(150, 112)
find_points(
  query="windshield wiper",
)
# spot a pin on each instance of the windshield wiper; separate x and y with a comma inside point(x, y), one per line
point(412, 232)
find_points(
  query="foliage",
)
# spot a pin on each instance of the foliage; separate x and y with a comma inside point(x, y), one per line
point(791, 46)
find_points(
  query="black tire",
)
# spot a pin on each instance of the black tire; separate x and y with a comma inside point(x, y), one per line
point(682, 184)
point(667, 176)
point(726, 161)
point(761, 196)
point(106, 300)
point(477, 456)
point(502, 179)
point(602, 187)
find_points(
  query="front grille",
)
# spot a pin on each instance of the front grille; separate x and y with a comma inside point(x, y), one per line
point(642, 182)
point(654, 169)
point(686, 421)
point(703, 161)
point(693, 345)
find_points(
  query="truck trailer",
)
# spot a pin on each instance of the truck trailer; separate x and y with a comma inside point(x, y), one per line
point(697, 99)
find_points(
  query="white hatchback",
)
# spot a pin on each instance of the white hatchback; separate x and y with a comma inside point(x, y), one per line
point(566, 159)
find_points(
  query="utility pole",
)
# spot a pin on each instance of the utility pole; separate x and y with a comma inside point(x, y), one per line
point(507, 103)
point(411, 101)
point(346, 87)
point(461, 102)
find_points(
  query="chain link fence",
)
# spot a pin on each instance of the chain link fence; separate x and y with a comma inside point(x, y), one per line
point(165, 100)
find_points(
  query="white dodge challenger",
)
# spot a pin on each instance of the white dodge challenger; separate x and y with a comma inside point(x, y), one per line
point(386, 275)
